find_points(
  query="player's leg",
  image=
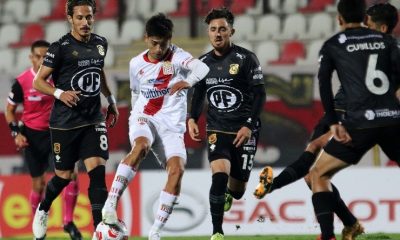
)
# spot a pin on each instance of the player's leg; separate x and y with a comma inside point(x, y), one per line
point(36, 156)
point(141, 135)
point(298, 168)
point(70, 197)
point(323, 198)
point(241, 165)
point(93, 151)
point(169, 148)
point(64, 153)
point(335, 157)
point(219, 146)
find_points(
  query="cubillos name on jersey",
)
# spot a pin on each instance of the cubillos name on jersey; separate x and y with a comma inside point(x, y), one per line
point(212, 81)
point(85, 63)
point(365, 46)
point(154, 93)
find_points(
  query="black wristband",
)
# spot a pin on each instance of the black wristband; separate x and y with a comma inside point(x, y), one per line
point(14, 127)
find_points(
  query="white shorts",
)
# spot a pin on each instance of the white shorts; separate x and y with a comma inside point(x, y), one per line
point(164, 143)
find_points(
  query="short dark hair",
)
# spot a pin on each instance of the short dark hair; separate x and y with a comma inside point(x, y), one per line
point(39, 43)
point(352, 11)
point(69, 7)
point(159, 26)
point(384, 13)
point(216, 13)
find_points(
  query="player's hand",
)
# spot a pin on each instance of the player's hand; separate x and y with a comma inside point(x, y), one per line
point(112, 110)
point(398, 94)
point(242, 136)
point(340, 133)
point(179, 86)
point(193, 130)
point(20, 141)
point(70, 98)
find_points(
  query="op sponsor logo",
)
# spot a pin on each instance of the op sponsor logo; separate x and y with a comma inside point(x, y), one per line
point(225, 98)
point(87, 82)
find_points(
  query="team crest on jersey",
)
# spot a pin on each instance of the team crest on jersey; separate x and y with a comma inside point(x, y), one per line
point(234, 68)
point(101, 50)
point(168, 68)
point(212, 139)
point(57, 148)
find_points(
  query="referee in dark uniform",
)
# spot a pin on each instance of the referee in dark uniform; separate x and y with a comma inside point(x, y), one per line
point(77, 125)
point(234, 88)
point(367, 65)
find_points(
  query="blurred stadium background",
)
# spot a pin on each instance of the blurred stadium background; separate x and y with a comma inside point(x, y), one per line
point(286, 35)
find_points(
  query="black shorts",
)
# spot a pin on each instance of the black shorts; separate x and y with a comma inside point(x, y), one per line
point(37, 154)
point(320, 129)
point(322, 126)
point(363, 140)
point(220, 146)
point(71, 145)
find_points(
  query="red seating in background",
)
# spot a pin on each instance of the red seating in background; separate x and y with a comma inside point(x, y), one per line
point(58, 11)
point(316, 6)
point(109, 9)
point(291, 51)
point(183, 8)
point(30, 33)
point(240, 6)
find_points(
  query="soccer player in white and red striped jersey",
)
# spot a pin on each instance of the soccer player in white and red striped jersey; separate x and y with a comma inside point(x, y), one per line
point(159, 79)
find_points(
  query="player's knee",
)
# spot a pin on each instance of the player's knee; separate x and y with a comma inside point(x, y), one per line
point(308, 180)
point(141, 148)
point(176, 171)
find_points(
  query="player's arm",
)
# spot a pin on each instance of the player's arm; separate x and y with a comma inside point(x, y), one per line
point(197, 103)
point(15, 97)
point(256, 79)
point(197, 71)
point(70, 98)
point(112, 109)
point(325, 71)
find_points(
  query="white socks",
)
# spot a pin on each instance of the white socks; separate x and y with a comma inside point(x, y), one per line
point(122, 178)
point(165, 208)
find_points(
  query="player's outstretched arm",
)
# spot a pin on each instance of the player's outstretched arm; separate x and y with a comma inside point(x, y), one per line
point(70, 98)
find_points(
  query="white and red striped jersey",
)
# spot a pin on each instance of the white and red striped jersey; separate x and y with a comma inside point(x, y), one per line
point(153, 81)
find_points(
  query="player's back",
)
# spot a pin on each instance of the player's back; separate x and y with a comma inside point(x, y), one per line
point(366, 62)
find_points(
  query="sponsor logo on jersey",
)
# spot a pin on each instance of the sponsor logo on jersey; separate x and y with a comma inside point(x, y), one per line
point(168, 68)
point(225, 98)
point(155, 81)
point(213, 81)
point(212, 139)
point(101, 50)
point(381, 113)
point(240, 56)
point(57, 148)
point(154, 93)
point(342, 38)
point(234, 68)
point(142, 120)
point(365, 46)
point(50, 54)
point(87, 81)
